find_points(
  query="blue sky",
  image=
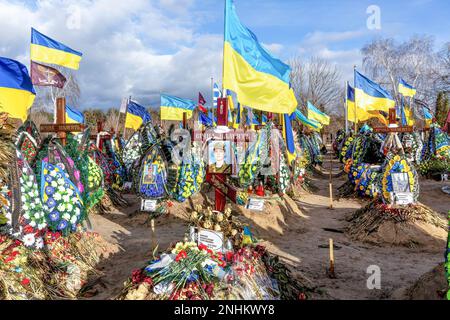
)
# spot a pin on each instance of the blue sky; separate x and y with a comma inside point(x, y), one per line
point(144, 47)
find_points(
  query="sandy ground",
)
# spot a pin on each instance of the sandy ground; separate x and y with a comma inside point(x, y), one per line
point(293, 229)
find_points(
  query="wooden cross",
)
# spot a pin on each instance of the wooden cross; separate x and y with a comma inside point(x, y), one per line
point(61, 127)
point(100, 138)
point(393, 121)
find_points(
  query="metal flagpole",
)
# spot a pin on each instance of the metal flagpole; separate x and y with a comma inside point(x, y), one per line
point(212, 99)
point(354, 88)
point(346, 108)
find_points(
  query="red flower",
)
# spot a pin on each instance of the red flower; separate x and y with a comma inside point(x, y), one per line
point(202, 247)
point(149, 281)
point(137, 276)
point(25, 282)
point(181, 255)
point(229, 256)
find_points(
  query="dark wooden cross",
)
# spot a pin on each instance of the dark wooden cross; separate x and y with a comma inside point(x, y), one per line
point(393, 120)
point(61, 127)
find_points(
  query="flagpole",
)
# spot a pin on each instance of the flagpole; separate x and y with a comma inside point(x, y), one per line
point(212, 99)
point(354, 88)
point(346, 108)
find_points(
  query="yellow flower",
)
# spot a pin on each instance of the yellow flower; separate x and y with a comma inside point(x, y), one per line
point(396, 158)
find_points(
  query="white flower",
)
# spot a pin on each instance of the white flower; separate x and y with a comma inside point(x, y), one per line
point(66, 216)
point(37, 215)
point(28, 239)
point(21, 180)
point(39, 243)
point(22, 189)
point(57, 196)
point(26, 215)
point(33, 224)
point(23, 198)
point(25, 207)
point(53, 173)
point(73, 220)
point(61, 182)
point(70, 192)
point(77, 211)
point(42, 226)
point(61, 188)
point(61, 207)
point(32, 205)
point(69, 207)
point(66, 198)
point(36, 193)
point(37, 200)
point(54, 184)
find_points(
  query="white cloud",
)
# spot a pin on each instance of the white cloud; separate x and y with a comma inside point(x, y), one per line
point(274, 48)
point(320, 37)
point(129, 47)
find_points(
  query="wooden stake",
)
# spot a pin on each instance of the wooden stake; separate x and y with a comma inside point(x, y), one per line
point(152, 224)
point(331, 271)
point(61, 117)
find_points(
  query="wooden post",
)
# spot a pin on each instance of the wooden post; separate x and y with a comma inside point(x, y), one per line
point(331, 271)
point(184, 120)
point(61, 117)
point(100, 140)
point(152, 224)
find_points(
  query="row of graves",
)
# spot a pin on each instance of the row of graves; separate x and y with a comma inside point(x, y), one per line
point(49, 186)
point(219, 258)
point(384, 166)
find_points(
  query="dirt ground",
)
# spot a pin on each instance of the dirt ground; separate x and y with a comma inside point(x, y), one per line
point(296, 230)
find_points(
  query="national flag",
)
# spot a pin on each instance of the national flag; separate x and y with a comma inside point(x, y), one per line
point(357, 114)
point(428, 117)
point(46, 50)
point(407, 117)
point(405, 89)
point(205, 120)
point(201, 103)
point(316, 114)
point(258, 79)
point(42, 75)
point(288, 136)
point(312, 124)
point(136, 116)
point(16, 89)
point(216, 95)
point(73, 115)
point(247, 237)
point(172, 108)
point(370, 96)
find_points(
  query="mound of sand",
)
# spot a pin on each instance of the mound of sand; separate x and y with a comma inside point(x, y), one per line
point(431, 286)
point(414, 227)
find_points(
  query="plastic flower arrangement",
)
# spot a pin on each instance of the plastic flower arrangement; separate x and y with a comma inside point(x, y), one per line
point(398, 164)
point(61, 198)
point(152, 188)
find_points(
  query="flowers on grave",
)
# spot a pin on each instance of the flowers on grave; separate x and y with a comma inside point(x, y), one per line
point(62, 199)
point(398, 164)
point(190, 178)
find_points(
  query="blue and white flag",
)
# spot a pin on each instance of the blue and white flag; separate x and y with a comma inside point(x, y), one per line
point(216, 94)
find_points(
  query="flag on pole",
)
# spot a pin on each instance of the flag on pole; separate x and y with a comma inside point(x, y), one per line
point(312, 124)
point(45, 49)
point(172, 108)
point(42, 75)
point(205, 120)
point(405, 89)
point(428, 117)
point(288, 136)
point(73, 115)
point(357, 114)
point(136, 115)
point(370, 96)
point(201, 103)
point(16, 89)
point(316, 114)
point(258, 79)
point(217, 94)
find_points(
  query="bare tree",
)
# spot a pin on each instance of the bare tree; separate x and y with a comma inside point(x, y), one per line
point(317, 81)
point(414, 60)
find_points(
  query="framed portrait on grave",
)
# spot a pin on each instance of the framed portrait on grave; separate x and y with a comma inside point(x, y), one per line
point(220, 157)
point(400, 182)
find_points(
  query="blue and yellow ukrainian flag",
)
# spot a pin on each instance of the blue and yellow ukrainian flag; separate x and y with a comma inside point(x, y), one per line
point(370, 96)
point(405, 89)
point(288, 135)
point(312, 124)
point(172, 108)
point(136, 115)
point(316, 114)
point(356, 114)
point(407, 116)
point(16, 89)
point(259, 80)
point(428, 117)
point(73, 115)
point(47, 50)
